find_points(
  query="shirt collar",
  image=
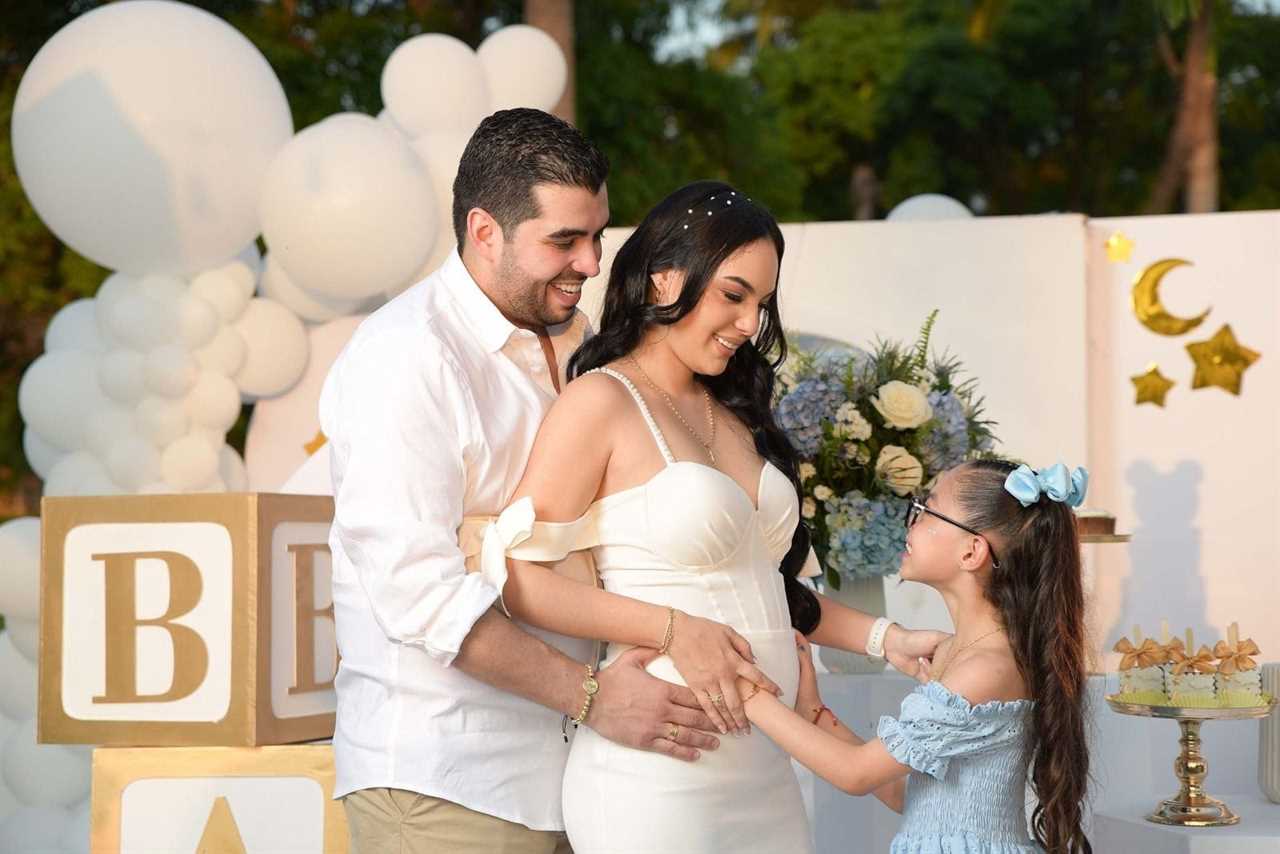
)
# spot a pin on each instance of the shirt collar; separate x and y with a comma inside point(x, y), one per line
point(477, 309)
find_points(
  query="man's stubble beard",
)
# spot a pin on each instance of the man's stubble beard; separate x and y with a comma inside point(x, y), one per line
point(525, 296)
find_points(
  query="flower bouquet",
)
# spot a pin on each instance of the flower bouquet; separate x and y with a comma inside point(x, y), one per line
point(872, 428)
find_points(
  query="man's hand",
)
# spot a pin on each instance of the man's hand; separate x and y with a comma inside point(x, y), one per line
point(905, 649)
point(642, 711)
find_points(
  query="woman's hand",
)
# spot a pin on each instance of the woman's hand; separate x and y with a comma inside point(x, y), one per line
point(808, 700)
point(710, 657)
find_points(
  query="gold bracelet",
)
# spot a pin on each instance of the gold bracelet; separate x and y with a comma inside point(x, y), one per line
point(591, 687)
point(755, 689)
point(670, 632)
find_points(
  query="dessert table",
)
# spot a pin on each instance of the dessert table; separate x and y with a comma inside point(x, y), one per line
point(1132, 766)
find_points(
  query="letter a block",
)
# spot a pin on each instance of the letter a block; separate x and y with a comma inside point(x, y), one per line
point(186, 619)
point(229, 800)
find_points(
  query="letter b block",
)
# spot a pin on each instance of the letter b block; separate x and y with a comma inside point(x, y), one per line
point(186, 619)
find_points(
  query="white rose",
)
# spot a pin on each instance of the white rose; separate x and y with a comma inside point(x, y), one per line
point(855, 427)
point(807, 470)
point(902, 406)
point(809, 508)
point(898, 469)
point(822, 493)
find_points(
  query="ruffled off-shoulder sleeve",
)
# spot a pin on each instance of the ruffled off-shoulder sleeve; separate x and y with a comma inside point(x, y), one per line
point(516, 533)
point(936, 726)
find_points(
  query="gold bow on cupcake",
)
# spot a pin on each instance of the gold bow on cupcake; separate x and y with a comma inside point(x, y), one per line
point(1201, 662)
point(1235, 657)
point(1146, 654)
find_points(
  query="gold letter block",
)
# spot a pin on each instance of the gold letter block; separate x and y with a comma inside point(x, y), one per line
point(215, 799)
point(186, 619)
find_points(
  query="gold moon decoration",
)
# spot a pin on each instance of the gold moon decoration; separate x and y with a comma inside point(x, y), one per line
point(1147, 307)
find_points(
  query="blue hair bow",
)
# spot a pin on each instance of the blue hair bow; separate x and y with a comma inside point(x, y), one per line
point(1056, 482)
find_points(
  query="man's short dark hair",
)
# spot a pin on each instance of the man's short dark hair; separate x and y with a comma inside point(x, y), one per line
point(510, 152)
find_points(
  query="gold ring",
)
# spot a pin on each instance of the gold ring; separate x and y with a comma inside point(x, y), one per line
point(717, 699)
point(674, 732)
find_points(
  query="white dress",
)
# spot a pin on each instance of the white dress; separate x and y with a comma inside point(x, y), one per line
point(693, 539)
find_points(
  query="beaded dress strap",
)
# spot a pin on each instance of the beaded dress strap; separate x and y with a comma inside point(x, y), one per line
point(644, 410)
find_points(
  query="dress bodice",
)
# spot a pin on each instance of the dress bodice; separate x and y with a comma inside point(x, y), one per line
point(967, 786)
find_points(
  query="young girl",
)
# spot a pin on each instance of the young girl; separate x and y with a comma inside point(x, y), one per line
point(999, 543)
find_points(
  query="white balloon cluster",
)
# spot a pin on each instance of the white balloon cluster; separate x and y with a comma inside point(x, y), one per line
point(138, 386)
point(44, 789)
point(356, 208)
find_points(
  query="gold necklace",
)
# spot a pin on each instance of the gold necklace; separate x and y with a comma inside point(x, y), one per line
point(938, 676)
point(706, 397)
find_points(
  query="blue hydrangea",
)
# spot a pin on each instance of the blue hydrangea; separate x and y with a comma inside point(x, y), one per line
point(866, 536)
point(803, 409)
point(946, 441)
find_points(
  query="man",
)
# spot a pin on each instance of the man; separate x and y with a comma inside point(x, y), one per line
point(450, 716)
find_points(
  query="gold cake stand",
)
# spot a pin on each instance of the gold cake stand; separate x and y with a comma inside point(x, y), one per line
point(1191, 807)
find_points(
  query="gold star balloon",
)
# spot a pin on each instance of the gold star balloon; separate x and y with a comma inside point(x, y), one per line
point(1221, 361)
point(1119, 247)
point(1152, 386)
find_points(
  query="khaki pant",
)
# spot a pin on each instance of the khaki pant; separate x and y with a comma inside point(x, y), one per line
point(394, 821)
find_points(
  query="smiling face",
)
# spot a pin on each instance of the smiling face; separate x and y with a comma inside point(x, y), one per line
point(543, 263)
point(937, 551)
point(728, 312)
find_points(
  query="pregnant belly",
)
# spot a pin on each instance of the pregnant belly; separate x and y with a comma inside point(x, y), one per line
point(775, 653)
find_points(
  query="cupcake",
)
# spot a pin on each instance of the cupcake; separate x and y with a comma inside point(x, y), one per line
point(1192, 682)
point(1141, 678)
point(1239, 681)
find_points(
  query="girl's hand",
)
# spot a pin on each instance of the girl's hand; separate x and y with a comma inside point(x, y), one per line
point(710, 657)
point(808, 700)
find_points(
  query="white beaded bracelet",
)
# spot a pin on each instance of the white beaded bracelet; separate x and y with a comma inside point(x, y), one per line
point(875, 640)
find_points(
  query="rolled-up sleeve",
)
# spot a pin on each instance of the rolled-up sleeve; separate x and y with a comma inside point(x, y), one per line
point(398, 433)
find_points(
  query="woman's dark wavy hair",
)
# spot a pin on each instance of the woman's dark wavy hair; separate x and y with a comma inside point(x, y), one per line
point(679, 235)
point(1038, 591)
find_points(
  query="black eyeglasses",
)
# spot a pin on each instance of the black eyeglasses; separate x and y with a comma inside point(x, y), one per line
point(915, 507)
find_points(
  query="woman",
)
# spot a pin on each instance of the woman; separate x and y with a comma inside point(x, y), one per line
point(664, 459)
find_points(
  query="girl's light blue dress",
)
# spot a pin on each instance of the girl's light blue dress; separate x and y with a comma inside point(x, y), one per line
point(967, 786)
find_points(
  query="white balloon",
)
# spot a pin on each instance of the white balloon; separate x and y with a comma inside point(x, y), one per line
point(928, 207)
point(435, 82)
point(347, 208)
point(156, 487)
point(224, 290)
point(188, 464)
point(121, 376)
point(277, 343)
point(524, 67)
point(113, 288)
point(8, 803)
point(33, 829)
point(20, 568)
point(231, 470)
point(141, 132)
point(199, 321)
point(41, 456)
point(80, 473)
point(141, 322)
point(17, 681)
point(133, 461)
point(215, 485)
point(162, 420)
point(441, 151)
point(225, 353)
point(57, 395)
point(214, 402)
point(74, 327)
point(108, 426)
point(171, 370)
point(75, 834)
point(167, 290)
point(25, 635)
point(49, 775)
point(276, 285)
